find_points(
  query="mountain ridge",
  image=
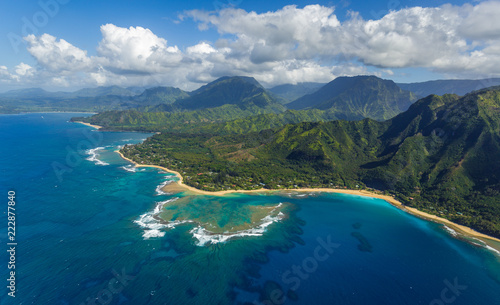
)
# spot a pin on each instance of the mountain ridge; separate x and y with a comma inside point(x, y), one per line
point(440, 156)
point(358, 97)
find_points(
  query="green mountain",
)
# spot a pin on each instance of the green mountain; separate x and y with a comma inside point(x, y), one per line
point(160, 95)
point(225, 99)
point(440, 156)
point(237, 90)
point(354, 98)
point(173, 121)
point(454, 86)
point(291, 92)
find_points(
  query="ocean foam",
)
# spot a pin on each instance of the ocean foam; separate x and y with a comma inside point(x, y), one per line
point(152, 233)
point(492, 249)
point(484, 245)
point(132, 168)
point(159, 188)
point(93, 156)
point(205, 237)
point(450, 230)
point(152, 226)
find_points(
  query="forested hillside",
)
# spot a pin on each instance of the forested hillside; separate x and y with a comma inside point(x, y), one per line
point(441, 155)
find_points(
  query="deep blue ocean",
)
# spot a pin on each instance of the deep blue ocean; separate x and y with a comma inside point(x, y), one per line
point(91, 229)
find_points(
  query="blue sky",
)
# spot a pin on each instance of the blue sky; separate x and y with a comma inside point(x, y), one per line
point(75, 43)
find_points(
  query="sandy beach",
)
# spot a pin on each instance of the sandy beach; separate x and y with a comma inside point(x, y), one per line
point(179, 186)
point(88, 124)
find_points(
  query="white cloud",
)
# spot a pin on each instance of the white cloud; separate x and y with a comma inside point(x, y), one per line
point(4, 71)
point(272, 36)
point(135, 50)
point(24, 70)
point(201, 48)
point(482, 21)
point(288, 45)
point(57, 55)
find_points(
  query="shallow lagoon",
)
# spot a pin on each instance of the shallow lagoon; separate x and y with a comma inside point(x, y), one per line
point(79, 239)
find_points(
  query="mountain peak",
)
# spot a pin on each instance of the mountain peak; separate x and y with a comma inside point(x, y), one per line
point(236, 90)
point(358, 97)
point(228, 80)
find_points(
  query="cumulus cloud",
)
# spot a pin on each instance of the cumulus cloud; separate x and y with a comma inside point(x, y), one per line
point(447, 39)
point(135, 50)
point(273, 36)
point(482, 21)
point(288, 45)
point(201, 48)
point(24, 70)
point(57, 55)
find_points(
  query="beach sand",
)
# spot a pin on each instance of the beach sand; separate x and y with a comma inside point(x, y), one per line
point(179, 186)
point(88, 124)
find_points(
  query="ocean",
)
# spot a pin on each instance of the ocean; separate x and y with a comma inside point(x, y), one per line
point(92, 229)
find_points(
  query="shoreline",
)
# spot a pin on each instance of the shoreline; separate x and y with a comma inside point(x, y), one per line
point(466, 231)
point(88, 124)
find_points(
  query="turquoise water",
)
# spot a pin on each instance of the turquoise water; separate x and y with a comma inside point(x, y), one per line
point(88, 233)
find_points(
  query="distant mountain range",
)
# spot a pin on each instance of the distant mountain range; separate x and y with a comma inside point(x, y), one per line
point(222, 100)
point(358, 97)
point(454, 86)
point(348, 98)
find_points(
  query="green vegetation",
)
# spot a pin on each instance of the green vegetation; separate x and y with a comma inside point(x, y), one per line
point(237, 90)
point(441, 155)
point(355, 98)
point(176, 121)
point(161, 95)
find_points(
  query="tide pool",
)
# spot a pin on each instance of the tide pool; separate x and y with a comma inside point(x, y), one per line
point(92, 229)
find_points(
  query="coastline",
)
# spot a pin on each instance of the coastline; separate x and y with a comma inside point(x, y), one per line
point(466, 231)
point(88, 124)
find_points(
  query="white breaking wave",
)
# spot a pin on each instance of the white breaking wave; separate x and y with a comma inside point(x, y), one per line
point(484, 245)
point(152, 233)
point(159, 188)
point(93, 156)
point(152, 226)
point(492, 249)
point(130, 168)
point(480, 244)
point(204, 237)
point(450, 230)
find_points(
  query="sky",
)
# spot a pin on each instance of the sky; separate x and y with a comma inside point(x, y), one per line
point(64, 45)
